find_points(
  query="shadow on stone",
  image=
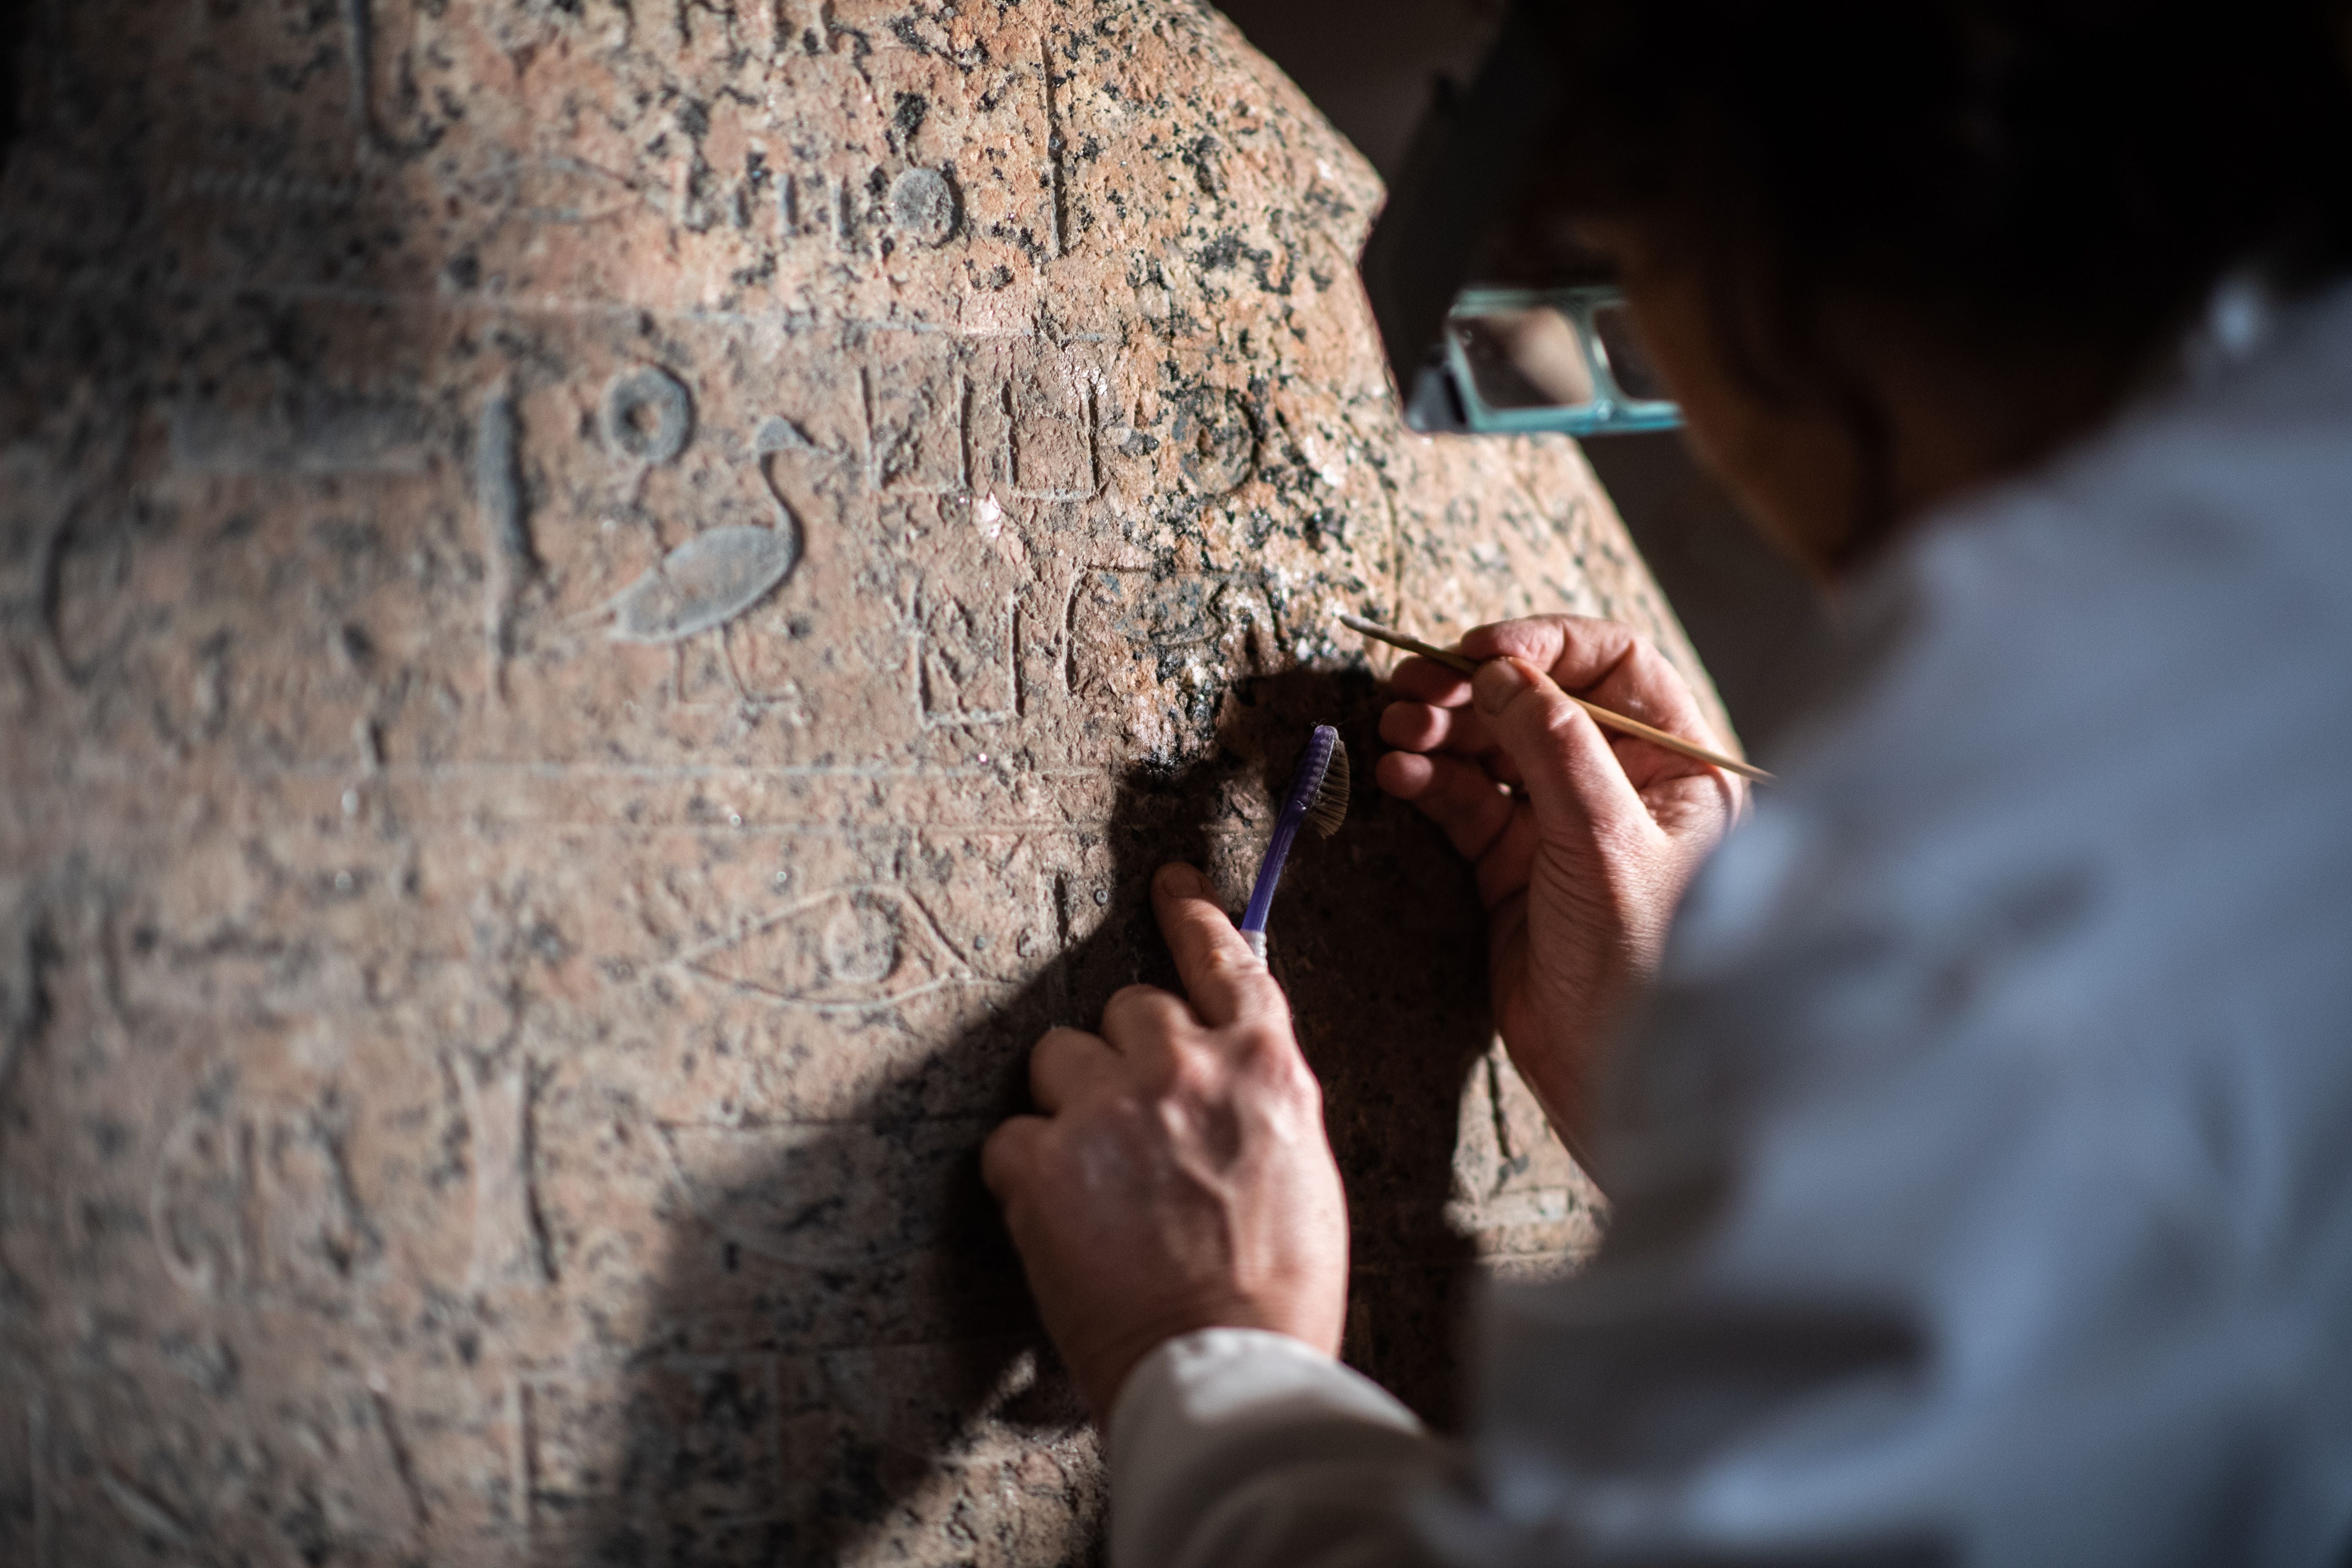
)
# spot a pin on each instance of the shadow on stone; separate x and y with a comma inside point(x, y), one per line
point(884, 1379)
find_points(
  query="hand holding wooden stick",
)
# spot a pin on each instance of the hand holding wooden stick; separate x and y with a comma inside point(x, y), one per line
point(1601, 716)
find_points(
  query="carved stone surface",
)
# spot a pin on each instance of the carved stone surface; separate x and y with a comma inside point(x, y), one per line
point(604, 610)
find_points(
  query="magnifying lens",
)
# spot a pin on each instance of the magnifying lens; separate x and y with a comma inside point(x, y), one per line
point(1526, 359)
point(1495, 319)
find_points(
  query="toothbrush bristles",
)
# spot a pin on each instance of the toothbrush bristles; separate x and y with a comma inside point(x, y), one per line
point(1331, 807)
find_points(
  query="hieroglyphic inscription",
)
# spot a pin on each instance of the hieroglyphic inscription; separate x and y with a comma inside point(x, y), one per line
point(852, 949)
point(498, 481)
point(904, 464)
point(362, 41)
point(648, 414)
point(968, 664)
point(925, 205)
point(703, 583)
point(510, 1233)
point(259, 1204)
point(1017, 418)
point(917, 425)
point(498, 491)
point(1218, 444)
point(1055, 214)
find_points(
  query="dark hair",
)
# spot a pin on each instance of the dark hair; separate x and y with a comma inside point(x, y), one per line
point(2068, 174)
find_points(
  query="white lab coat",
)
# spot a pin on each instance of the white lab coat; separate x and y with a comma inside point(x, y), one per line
point(1983, 1167)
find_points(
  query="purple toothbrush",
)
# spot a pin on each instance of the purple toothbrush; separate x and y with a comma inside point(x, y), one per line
point(1319, 796)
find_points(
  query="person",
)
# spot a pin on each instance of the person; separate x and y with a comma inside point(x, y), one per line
point(1975, 1104)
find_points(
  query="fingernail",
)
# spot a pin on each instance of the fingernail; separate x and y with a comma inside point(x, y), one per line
point(1179, 881)
point(1499, 680)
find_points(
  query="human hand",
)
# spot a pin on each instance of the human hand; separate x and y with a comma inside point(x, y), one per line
point(1179, 1177)
point(1582, 859)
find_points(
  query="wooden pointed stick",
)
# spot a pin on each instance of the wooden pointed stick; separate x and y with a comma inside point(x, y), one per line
point(1600, 716)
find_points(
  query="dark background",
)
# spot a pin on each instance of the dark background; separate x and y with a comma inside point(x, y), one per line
point(1755, 619)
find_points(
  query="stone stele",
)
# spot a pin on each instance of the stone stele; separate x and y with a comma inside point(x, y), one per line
point(605, 609)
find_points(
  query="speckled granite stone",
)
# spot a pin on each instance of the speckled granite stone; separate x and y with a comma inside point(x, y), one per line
point(604, 610)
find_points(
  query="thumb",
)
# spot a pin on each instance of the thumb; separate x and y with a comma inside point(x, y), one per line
point(1225, 981)
point(1573, 779)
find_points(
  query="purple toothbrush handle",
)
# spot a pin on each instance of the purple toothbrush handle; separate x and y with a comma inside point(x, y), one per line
point(1305, 785)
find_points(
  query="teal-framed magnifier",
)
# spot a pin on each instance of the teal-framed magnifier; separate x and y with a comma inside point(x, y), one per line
point(1523, 361)
point(1494, 312)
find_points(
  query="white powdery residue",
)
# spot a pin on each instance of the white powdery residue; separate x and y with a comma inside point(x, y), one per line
point(1332, 471)
point(988, 516)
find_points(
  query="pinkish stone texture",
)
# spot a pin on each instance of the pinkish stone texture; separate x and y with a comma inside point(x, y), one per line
point(604, 609)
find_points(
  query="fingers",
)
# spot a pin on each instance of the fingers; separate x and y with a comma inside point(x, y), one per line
point(1601, 661)
point(1604, 663)
point(1461, 797)
point(1138, 1018)
point(1065, 1065)
point(1426, 680)
point(1226, 981)
point(1427, 727)
point(1142, 1024)
point(1577, 651)
point(1574, 781)
point(1005, 1159)
point(1582, 653)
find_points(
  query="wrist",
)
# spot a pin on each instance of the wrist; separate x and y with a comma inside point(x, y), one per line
point(1102, 1368)
point(1561, 1052)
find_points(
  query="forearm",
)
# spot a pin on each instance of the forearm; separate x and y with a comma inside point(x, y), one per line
point(1235, 1448)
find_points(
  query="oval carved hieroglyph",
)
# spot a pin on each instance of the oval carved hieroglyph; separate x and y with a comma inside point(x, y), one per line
point(614, 606)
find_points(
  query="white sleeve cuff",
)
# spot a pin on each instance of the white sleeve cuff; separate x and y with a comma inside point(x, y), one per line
point(1213, 1411)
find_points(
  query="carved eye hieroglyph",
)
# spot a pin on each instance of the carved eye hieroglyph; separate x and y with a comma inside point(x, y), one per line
point(852, 949)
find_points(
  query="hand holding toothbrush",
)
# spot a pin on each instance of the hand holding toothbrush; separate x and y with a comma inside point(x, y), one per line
point(1178, 1176)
